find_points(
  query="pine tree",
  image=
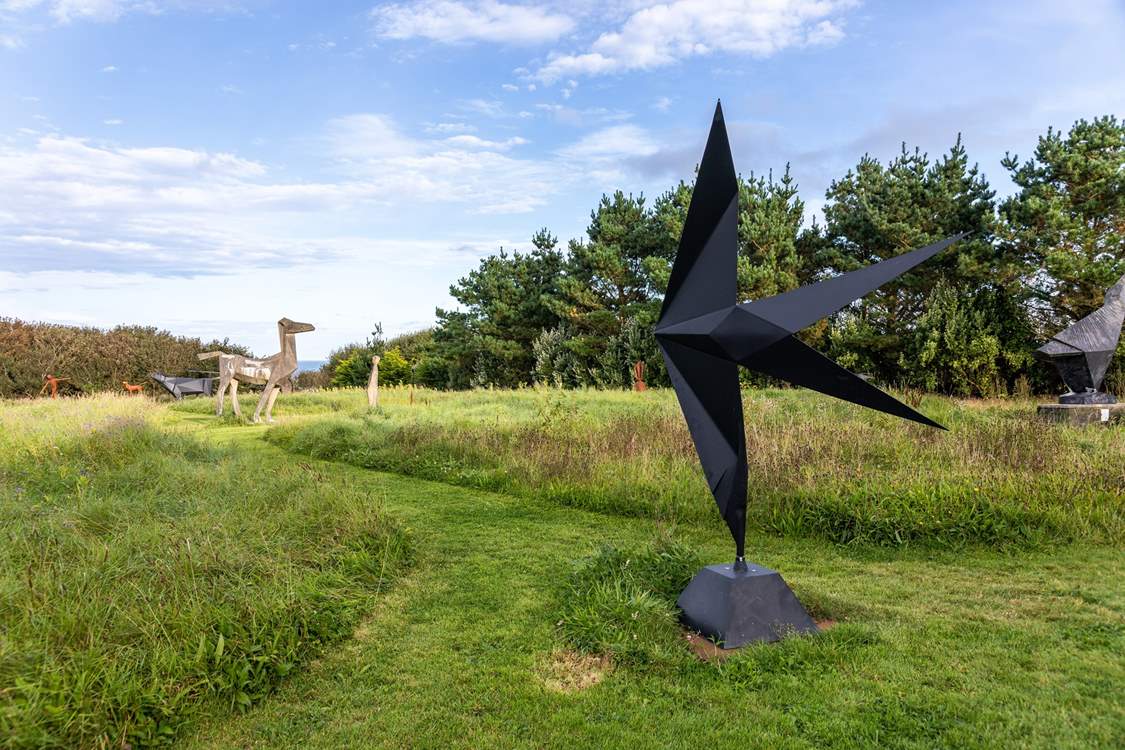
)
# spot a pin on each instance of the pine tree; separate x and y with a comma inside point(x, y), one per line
point(874, 213)
point(1068, 218)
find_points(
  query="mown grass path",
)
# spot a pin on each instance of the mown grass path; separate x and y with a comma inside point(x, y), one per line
point(967, 650)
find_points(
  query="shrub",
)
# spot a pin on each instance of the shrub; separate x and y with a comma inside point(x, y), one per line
point(93, 359)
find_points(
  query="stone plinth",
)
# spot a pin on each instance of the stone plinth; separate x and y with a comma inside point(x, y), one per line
point(1082, 414)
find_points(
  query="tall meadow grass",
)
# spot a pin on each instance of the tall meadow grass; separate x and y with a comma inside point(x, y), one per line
point(817, 467)
point(145, 575)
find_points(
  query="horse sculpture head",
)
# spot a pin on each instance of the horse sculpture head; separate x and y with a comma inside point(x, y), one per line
point(288, 326)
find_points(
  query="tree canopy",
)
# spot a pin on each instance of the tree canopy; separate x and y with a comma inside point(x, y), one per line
point(965, 323)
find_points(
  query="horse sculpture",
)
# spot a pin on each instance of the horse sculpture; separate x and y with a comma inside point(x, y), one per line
point(52, 383)
point(271, 371)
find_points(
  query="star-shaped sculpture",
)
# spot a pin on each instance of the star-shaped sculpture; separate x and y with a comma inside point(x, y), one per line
point(704, 334)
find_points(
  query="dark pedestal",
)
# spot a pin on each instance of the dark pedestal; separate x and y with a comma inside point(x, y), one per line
point(1087, 397)
point(736, 607)
point(1082, 414)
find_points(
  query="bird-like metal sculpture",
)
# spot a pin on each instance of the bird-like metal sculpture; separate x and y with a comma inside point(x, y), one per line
point(704, 335)
point(1082, 352)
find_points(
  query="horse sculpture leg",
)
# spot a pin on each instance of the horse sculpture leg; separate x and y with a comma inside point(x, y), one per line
point(234, 398)
point(269, 404)
point(271, 385)
point(224, 383)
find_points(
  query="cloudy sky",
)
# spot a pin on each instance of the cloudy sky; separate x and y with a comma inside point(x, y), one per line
point(209, 166)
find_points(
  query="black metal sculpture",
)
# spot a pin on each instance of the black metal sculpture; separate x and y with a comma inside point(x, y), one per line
point(704, 336)
point(1082, 352)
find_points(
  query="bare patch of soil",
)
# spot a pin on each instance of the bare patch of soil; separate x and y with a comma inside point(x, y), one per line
point(570, 671)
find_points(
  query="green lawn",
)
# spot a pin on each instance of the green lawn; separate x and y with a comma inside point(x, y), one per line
point(515, 625)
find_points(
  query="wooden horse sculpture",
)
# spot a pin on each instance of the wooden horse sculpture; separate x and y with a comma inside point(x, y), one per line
point(136, 390)
point(50, 381)
point(270, 372)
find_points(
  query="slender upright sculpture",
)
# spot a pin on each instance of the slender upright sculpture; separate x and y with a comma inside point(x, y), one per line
point(270, 372)
point(704, 335)
point(1082, 352)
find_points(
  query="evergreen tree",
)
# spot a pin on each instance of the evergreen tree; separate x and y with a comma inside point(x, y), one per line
point(876, 212)
point(507, 304)
point(608, 279)
point(769, 223)
point(1068, 218)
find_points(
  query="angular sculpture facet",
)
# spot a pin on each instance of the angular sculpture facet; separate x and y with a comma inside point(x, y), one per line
point(1082, 352)
point(180, 387)
point(704, 335)
point(270, 372)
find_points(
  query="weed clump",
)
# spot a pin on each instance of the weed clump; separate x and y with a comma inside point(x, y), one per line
point(622, 603)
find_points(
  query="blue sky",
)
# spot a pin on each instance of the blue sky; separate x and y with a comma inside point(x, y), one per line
point(210, 166)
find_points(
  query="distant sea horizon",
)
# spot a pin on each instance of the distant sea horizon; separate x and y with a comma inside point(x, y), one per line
point(304, 365)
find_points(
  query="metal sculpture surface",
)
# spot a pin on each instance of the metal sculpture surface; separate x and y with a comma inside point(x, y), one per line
point(1082, 352)
point(180, 387)
point(270, 372)
point(704, 335)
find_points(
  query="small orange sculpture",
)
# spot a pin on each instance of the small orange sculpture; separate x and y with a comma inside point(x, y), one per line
point(50, 381)
point(639, 377)
point(137, 389)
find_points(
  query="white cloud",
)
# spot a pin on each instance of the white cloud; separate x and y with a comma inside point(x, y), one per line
point(80, 205)
point(662, 34)
point(583, 117)
point(10, 41)
point(509, 87)
point(471, 141)
point(109, 69)
point(230, 88)
point(614, 142)
point(484, 107)
point(485, 20)
point(663, 104)
point(113, 121)
point(451, 128)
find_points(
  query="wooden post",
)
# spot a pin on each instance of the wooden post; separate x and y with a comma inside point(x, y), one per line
point(373, 383)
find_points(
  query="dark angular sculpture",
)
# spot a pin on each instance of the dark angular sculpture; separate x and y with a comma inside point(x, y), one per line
point(1082, 352)
point(180, 387)
point(704, 336)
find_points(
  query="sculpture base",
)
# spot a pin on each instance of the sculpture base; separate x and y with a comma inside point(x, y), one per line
point(736, 607)
point(1081, 414)
point(1089, 397)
